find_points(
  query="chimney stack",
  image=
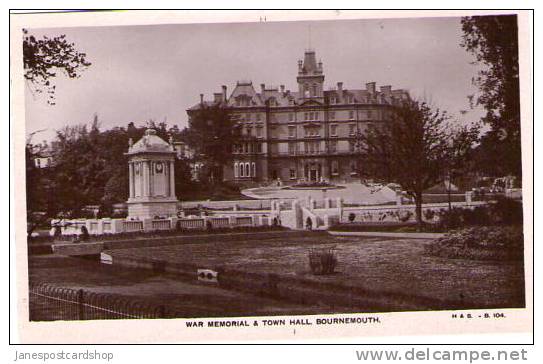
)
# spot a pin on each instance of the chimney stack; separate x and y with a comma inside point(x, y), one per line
point(370, 87)
point(224, 93)
point(282, 88)
point(300, 65)
point(262, 87)
point(202, 99)
point(340, 86)
point(386, 90)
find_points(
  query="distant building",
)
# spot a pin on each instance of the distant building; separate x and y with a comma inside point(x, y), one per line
point(43, 154)
point(308, 134)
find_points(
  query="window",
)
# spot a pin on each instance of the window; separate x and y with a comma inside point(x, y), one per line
point(292, 173)
point(332, 115)
point(351, 146)
point(259, 148)
point(236, 170)
point(351, 114)
point(241, 170)
point(259, 132)
point(247, 170)
point(254, 169)
point(314, 90)
point(290, 117)
point(353, 168)
point(292, 148)
point(333, 146)
point(370, 115)
point(333, 130)
point(350, 99)
point(257, 117)
point(291, 131)
point(249, 131)
point(335, 168)
point(333, 100)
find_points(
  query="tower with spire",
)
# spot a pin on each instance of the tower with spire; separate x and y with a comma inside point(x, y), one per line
point(310, 77)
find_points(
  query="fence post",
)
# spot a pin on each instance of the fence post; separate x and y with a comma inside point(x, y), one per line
point(80, 304)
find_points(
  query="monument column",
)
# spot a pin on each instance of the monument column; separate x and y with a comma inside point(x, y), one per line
point(131, 179)
point(172, 179)
point(146, 178)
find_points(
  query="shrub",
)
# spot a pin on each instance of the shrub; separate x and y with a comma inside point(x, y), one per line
point(481, 243)
point(507, 211)
point(322, 261)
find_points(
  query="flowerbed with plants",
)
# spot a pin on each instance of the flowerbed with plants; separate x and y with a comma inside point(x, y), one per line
point(504, 243)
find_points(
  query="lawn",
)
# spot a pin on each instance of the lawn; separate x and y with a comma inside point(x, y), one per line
point(181, 298)
point(391, 266)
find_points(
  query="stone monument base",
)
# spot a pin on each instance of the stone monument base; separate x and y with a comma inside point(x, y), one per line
point(142, 210)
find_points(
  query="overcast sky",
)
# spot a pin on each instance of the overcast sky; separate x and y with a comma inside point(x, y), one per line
point(157, 72)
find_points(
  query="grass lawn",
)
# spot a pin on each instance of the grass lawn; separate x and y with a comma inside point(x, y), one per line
point(381, 265)
point(182, 298)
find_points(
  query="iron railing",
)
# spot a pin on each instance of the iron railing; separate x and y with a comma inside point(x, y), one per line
point(51, 303)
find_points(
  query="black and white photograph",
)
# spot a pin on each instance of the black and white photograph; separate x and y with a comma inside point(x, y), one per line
point(276, 176)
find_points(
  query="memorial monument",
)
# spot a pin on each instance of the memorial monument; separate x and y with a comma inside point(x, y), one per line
point(151, 177)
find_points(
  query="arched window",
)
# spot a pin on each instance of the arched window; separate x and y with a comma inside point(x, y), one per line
point(247, 170)
point(254, 169)
point(314, 90)
point(236, 170)
point(241, 170)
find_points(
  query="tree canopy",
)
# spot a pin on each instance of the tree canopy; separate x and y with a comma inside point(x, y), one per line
point(493, 41)
point(415, 149)
point(211, 133)
point(43, 58)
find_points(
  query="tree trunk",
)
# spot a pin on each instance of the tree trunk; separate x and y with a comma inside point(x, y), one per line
point(418, 209)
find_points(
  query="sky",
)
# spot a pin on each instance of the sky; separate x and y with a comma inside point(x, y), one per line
point(156, 72)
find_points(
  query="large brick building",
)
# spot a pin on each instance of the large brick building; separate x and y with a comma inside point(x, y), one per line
point(306, 134)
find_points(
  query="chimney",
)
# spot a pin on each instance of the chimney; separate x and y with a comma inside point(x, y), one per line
point(386, 90)
point(224, 93)
point(340, 86)
point(262, 87)
point(202, 99)
point(300, 63)
point(370, 87)
point(282, 89)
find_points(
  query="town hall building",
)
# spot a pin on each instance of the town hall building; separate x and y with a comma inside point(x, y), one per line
point(303, 135)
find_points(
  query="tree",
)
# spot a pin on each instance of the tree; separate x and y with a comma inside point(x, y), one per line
point(412, 149)
point(493, 40)
point(211, 133)
point(43, 58)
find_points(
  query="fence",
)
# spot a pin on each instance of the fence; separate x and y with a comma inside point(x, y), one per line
point(50, 303)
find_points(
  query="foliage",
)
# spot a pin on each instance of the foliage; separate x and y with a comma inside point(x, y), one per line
point(89, 168)
point(415, 149)
point(481, 243)
point(507, 211)
point(322, 261)
point(211, 133)
point(493, 40)
point(43, 58)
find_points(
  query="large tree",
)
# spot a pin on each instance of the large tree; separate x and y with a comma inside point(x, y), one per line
point(211, 133)
point(493, 40)
point(43, 58)
point(414, 149)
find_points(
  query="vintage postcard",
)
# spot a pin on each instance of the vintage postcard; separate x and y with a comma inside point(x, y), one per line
point(268, 175)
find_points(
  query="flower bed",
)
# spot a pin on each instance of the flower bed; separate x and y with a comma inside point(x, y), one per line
point(481, 243)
